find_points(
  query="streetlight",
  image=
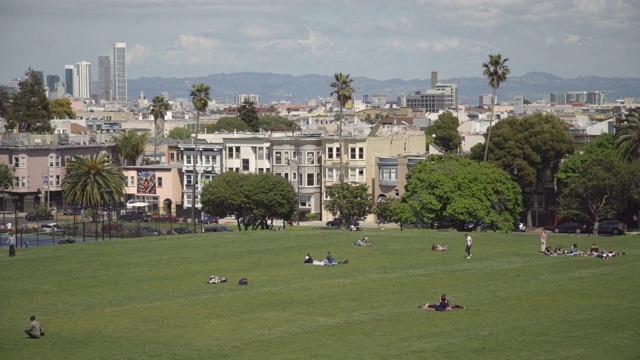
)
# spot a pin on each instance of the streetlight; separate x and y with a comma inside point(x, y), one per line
point(298, 188)
point(16, 201)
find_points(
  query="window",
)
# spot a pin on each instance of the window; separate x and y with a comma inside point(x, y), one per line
point(294, 176)
point(360, 174)
point(278, 156)
point(57, 180)
point(24, 181)
point(294, 154)
point(286, 157)
point(188, 160)
point(329, 153)
point(51, 161)
point(260, 153)
point(260, 170)
point(361, 153)
point(230, 152)
point(16, 161)
point(330, 176)
point(206, 160)
point(132, 181)
point(397, 193)
point(159, 181)
point(310, 158)
point(172, 156)
point(353, 153)
point(237, 154)
point(389, 174)
point(245, 164)
point(16, 182)
point(188, 180)
point(57, 161)
point(338, 155)
point(310, 179)
point(305, 201)
point(286, 176)
point(187, 200)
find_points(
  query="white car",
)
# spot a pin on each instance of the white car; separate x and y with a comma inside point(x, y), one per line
point(52, 227)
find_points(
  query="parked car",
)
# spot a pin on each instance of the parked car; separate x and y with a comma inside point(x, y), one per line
point(51, 228)
point(614, 227)
point(33, 217)
point(180, 231)
point(217, 228)
point(134, 216)
point(119, 228)
point(208, 219)
point(148, 230)
point(72, 210)
point(570, 227)
point(166, 218)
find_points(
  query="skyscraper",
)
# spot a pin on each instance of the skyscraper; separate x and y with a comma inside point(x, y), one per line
point(83, 71)
point(41, 76)
point(52, 80)
point(120, 72)
point(104, 78)
point(69, 78)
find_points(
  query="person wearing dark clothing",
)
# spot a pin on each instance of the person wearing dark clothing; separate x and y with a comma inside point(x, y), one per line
point(243, 281)
point(308, 259)
point(329, 258)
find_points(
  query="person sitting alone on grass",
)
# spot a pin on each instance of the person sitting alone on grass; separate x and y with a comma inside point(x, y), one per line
point(437, 247)
point(442, 305)
point(363, 242)
point(547, 251)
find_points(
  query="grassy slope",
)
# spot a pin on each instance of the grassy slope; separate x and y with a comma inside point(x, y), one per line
point(147, 298)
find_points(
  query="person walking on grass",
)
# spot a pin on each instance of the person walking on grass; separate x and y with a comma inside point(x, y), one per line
point(543, 240)
point(469, 243)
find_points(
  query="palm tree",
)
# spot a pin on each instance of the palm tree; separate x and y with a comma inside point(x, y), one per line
point(6, 181)
point(129, 146)
point(627, 138)
point(344, 92)
point(159, 108)
point(200, 98)
point(86, 176)
point(496, 70)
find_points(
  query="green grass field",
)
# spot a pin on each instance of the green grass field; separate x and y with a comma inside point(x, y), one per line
point(147, 298)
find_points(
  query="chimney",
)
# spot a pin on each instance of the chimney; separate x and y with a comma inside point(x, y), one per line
point(434, 79)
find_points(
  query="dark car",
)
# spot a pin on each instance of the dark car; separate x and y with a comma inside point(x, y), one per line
point(570, 227)
point(180, 230)
point(218, 228)
point(148, 230)
point(33, 217)
point(133, 216)
point(334, 222)
point(208, 219)
point(614, 227)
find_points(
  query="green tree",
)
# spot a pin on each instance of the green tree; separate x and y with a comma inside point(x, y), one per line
point(200, 97)
point(61, 109)
point(249, 114)
point(7, 179)
point(445, 131)
point(344, 93)
point(87, 175)
point(596, 184)
point(129, 147)
point(394, 210)
point(29, 109)
point(349, 202)
point(451, 189)
point(5, 100)
point(627, 138)
point(384, 210)
point(269, 122)
point(159, 109)
point(231, 124)
point(273, 198)
point(179, 133)
point(496, 70)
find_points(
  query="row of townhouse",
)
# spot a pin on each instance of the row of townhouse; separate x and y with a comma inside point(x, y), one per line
point(378, 156)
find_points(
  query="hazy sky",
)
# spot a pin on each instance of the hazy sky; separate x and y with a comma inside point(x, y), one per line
point(404, 39)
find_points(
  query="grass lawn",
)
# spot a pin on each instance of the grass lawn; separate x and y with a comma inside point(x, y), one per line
point(147, 298)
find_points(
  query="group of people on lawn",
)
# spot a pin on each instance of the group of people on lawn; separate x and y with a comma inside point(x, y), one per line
point(594, 251)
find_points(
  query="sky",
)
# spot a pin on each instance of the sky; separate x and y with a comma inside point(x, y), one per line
point(401, 39)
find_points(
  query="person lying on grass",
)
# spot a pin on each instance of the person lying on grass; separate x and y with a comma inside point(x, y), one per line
point(362, 242)
point(442, 305)
point(606, 255)
point(437, 247)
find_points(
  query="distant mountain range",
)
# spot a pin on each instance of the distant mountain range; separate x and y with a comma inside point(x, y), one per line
point(276, 87)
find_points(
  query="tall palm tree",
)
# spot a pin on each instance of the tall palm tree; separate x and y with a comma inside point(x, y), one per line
point(86, 176)
point(129, 146)
point(496, 70)
point(344, 92)
point(627, 138)
point(200, 98)
point(159, 108)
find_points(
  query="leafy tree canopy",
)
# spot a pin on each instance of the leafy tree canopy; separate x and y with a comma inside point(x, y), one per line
point(129, 146)
point(349, 202)
point(446, 133)
point(249, 114)
point(179, 133)
point(7, 177)
point(229, 124)
point(29, 108)
point(269, 122)
point(61, 109)
point(597, 184)
point(451, 189)
point(532, 144)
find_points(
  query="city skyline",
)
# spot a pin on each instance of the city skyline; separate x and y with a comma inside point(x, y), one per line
point(377, 39)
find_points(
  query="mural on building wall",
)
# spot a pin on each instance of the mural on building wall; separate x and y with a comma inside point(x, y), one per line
point(146, 182)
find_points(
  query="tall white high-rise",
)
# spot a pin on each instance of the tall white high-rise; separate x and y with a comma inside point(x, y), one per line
point(83, 71)
point(120, 72)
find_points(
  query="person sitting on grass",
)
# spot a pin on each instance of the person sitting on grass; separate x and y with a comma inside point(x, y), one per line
point(594, 250)
point(330, 260)
point(308, 259)
point(442, 305)
point(363, 242)
point(559, 250)
point(437, 247)
point(547, 251)
point(573, 250)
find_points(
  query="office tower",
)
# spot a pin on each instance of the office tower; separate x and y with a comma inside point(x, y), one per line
point(104, 79)
point(51, 82)
point(595, 97)
point(558, 98)
point(83, 71)
point(41, 76)
point(120, 72)
point(434, 79)
point(486, 100)
point(69, 78)
point(518, 105)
